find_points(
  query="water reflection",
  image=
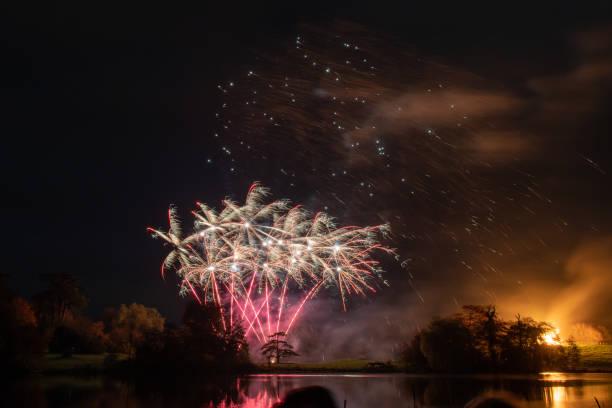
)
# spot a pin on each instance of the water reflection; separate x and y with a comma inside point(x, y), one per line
point(380, 391)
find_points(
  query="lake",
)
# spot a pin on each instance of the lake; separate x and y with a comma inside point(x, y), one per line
point(367, 390)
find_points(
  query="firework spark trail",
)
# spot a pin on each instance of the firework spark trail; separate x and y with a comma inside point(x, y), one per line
point(257, 253)
point(417, 143)
point(308, 295)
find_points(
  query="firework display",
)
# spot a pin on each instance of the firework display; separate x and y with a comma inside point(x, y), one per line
point(356, 125)
point(248, 258)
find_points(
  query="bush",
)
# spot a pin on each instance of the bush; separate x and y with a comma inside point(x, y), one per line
point(78, 336)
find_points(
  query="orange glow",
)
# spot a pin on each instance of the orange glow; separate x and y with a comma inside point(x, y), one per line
point(551, 338)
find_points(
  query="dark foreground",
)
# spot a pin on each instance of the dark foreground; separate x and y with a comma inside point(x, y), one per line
point(359, 390)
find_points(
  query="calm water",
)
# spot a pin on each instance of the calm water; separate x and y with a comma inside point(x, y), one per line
point(380, 391)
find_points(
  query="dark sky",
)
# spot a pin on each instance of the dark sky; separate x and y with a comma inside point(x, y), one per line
point(110, 112)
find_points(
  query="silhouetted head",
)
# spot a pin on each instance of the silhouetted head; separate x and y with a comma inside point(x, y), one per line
point(495, 399)
point(307, 397)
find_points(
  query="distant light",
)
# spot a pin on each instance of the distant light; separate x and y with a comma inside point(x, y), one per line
point(247, 225)
point(211, 268)
point(338, 269)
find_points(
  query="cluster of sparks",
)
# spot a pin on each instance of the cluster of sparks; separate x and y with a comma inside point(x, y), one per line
point(248, 258)
point(350, 115)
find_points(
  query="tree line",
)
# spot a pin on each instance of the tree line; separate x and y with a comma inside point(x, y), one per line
point(53, 322)
point(478, 340)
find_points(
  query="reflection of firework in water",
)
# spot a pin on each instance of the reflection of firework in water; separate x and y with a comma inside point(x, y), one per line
point(246, 258)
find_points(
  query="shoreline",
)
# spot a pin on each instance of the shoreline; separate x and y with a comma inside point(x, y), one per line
point(596, 359)
point(93, 365)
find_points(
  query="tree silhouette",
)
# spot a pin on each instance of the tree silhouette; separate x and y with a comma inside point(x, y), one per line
point(478, 340)
point(487, 329)
point(573, 355)
point(521, 348)
point(277, 348)
point(198, 346)
point(63, 296)
point(448, 346)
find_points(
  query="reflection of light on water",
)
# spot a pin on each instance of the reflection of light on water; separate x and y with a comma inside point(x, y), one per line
point(259, 401)
point(548, 389)
point(555, 396)
point(553, 376)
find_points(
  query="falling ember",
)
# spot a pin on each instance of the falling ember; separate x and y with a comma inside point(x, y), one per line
point(248, 258)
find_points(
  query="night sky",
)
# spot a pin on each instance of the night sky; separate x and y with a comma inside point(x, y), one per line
point(494, 122)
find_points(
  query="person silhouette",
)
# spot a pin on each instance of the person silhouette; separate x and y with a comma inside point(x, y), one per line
point(495, 399)
point(307, 397)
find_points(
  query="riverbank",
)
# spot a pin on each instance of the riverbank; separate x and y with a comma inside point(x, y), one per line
point(594, 358)
point(56, 364)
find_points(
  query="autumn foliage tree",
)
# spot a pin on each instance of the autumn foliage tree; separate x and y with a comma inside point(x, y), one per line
point(21, 345)
point(128, 325)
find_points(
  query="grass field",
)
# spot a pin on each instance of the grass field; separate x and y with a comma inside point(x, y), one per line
point(347, 365)
point(55, 363)
point(596, 357)
point(593, 358)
